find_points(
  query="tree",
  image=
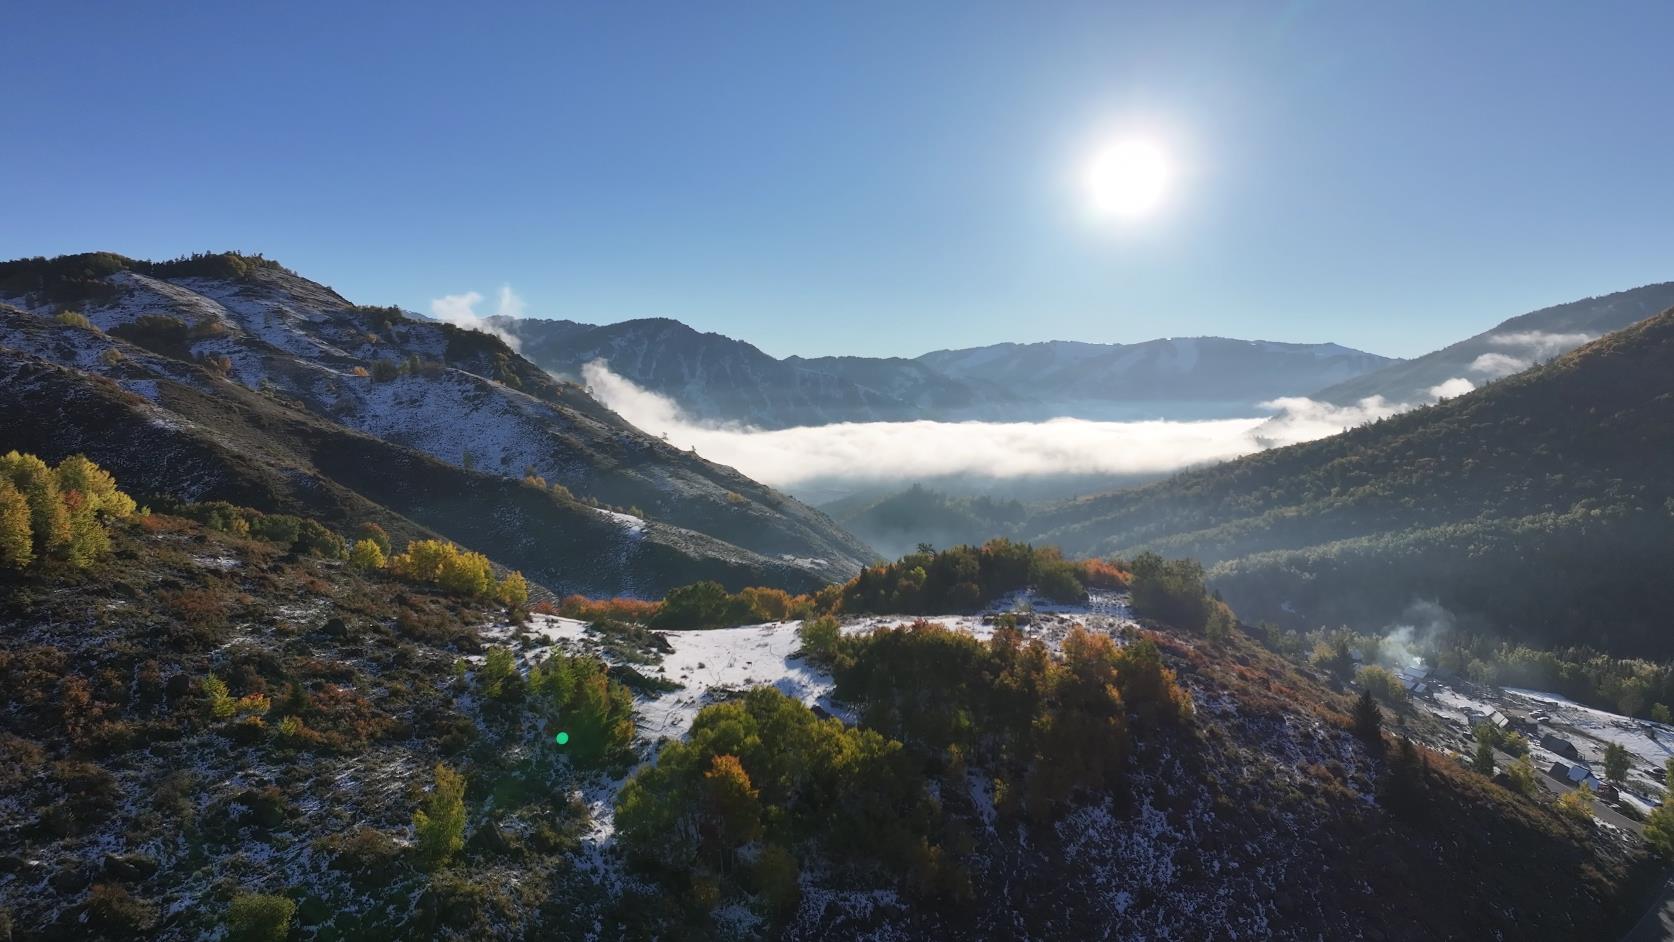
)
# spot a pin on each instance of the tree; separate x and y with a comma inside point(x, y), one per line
point(49, 522)
point(513, 590)
point(1368, 719)
point(1483, 760)
point(1660, 713)
point(731, 808)
point(76, 473)
point(366, 556)
point(1659, 829)
point(440, 824)
point(259, 917)
point(1522, 776)
point(1381, 683)
point(16, 549)
point(1616, 761)
point(497, 667)
point(819, 637)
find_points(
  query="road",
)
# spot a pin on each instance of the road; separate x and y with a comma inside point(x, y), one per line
point(1657, 925)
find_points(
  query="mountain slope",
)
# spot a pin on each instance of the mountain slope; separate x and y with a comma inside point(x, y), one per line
point(1513, 345)
point(1543, 504)
point(138, 801)
point(219, 441)
point(460, 396)
point(718, 379)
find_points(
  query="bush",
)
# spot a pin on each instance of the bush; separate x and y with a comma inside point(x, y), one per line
point(1577, 803)
point(259, 917)
point(74, 319)
point(366, 556)
point(1171, 591)
point(113, 910)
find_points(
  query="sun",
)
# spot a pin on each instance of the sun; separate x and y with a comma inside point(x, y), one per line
point(1129, 178)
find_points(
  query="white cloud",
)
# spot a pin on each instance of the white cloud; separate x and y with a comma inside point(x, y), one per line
point(868, 452)
point(1301, 419)
point(1540, 344)
point(1447, 389)
point(460, 310)
point(1496, 365)
point(1525, 349)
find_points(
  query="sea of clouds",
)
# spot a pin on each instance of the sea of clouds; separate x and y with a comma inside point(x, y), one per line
point(876, 452)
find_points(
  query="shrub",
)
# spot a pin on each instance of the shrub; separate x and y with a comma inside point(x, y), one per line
point(259, 917)
point(617, 609)
point(366, 556)
point(440, 823)
point(112, 909)
point(74, 319)
point(161, 334)
point(1577, 803)
point(384, 371)
point(513, 590)
point(219, 702)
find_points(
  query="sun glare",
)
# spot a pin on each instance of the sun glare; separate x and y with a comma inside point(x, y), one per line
point(1129, 178)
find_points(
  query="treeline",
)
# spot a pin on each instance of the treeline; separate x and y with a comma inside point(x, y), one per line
point(71, 278)
point(961, 579)
point(964, 578)
point(56, 514)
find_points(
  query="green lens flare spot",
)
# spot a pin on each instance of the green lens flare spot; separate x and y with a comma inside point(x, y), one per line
point(562, 738)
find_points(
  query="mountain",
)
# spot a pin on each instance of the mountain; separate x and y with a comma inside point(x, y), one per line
point(1513, 345)
point(207, 736)
point(222, 343)
point(719, 379)
point(1193, 377)
point(1542, 504)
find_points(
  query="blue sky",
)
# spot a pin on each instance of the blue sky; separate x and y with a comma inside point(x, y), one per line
point(870, 178)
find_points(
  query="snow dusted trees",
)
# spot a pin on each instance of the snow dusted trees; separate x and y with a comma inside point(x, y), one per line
point(56, 513)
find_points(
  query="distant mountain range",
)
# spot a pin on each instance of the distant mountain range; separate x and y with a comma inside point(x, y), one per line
point(230, 377)
point(720, 379)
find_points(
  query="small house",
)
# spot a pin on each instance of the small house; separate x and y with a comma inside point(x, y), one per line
point(1500, 720)
point(1560, 745)
point(1559, 771)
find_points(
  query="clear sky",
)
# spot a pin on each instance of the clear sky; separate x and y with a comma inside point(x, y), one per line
point(867, 177)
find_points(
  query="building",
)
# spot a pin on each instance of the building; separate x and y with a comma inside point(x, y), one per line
point(1560, 745)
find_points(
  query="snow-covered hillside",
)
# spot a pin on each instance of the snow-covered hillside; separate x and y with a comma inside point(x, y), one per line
point(460, 396)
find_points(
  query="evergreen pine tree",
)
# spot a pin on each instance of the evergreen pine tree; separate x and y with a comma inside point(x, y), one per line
point(1483, 761)
point(1368, 719)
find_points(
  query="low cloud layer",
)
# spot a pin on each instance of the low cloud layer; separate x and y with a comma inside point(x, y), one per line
point(460, 310)
point(872, 452)
point(1524, 349)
